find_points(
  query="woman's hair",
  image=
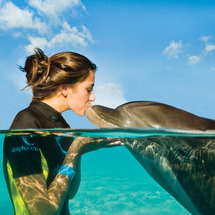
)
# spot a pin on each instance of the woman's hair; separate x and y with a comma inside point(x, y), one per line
point(45, 74)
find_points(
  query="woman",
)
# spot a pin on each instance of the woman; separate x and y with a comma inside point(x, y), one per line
point(39, 171)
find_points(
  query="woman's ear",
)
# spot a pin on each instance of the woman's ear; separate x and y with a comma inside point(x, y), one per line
point(64, 88)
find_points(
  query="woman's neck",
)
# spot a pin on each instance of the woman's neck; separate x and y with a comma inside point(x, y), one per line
point(57, 103)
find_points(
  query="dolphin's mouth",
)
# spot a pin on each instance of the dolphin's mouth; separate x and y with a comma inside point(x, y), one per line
point(98, 118)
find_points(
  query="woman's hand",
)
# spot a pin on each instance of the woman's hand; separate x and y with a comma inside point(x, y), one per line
point(82, 145)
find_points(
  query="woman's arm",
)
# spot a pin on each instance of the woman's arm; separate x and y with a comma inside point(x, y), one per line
point(41, 199)
point(38, 198)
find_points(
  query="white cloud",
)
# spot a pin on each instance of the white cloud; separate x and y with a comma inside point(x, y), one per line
point(17, 34)
point(109, 95)
point(36, 42)
point(54, 8)
point(68, 35)
point(194, 59)
point(72, 36)
point(205, 38)
point(12, 17)
point(209, 48)
point(173, 50)
point(22, 21)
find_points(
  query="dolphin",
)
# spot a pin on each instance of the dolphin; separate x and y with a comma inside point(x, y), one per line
point(183, 166)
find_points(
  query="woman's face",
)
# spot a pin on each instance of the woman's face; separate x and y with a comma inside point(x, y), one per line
point(80, 96)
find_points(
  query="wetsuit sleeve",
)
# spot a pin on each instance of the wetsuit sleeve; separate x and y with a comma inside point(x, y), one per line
point(22, 151)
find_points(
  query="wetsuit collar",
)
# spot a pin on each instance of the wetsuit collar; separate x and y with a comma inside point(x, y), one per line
point(49, 112)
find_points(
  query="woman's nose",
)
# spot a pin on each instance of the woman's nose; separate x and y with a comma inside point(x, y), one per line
point(92, 96)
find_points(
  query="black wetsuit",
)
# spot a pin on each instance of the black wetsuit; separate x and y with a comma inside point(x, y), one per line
point(27, 155)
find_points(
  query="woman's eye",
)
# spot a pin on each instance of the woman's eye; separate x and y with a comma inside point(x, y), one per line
point(89, 90)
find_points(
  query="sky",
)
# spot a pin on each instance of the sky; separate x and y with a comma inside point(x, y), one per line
point(147, 50)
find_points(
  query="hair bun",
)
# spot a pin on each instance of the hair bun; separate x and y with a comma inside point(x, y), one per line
point(37, 68)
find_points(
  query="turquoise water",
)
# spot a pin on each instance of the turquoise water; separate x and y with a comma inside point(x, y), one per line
point(5, 204)
point(113, 182)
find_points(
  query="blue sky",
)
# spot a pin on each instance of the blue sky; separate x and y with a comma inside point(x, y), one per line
point(160, 51)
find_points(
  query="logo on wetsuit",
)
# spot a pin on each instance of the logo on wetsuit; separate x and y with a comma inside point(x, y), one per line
point(30, 145)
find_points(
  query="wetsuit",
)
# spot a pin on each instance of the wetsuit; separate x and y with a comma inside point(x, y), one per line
point(27, 155)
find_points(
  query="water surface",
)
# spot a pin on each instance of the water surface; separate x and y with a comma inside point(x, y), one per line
point(113, 182)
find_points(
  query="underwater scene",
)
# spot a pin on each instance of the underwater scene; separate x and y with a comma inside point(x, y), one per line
point(158, 171)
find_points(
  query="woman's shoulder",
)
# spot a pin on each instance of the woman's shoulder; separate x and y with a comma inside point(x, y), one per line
point(26, 118)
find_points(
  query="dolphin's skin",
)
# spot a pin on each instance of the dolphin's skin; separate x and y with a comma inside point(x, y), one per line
point(183, 166)
point(147, 114)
